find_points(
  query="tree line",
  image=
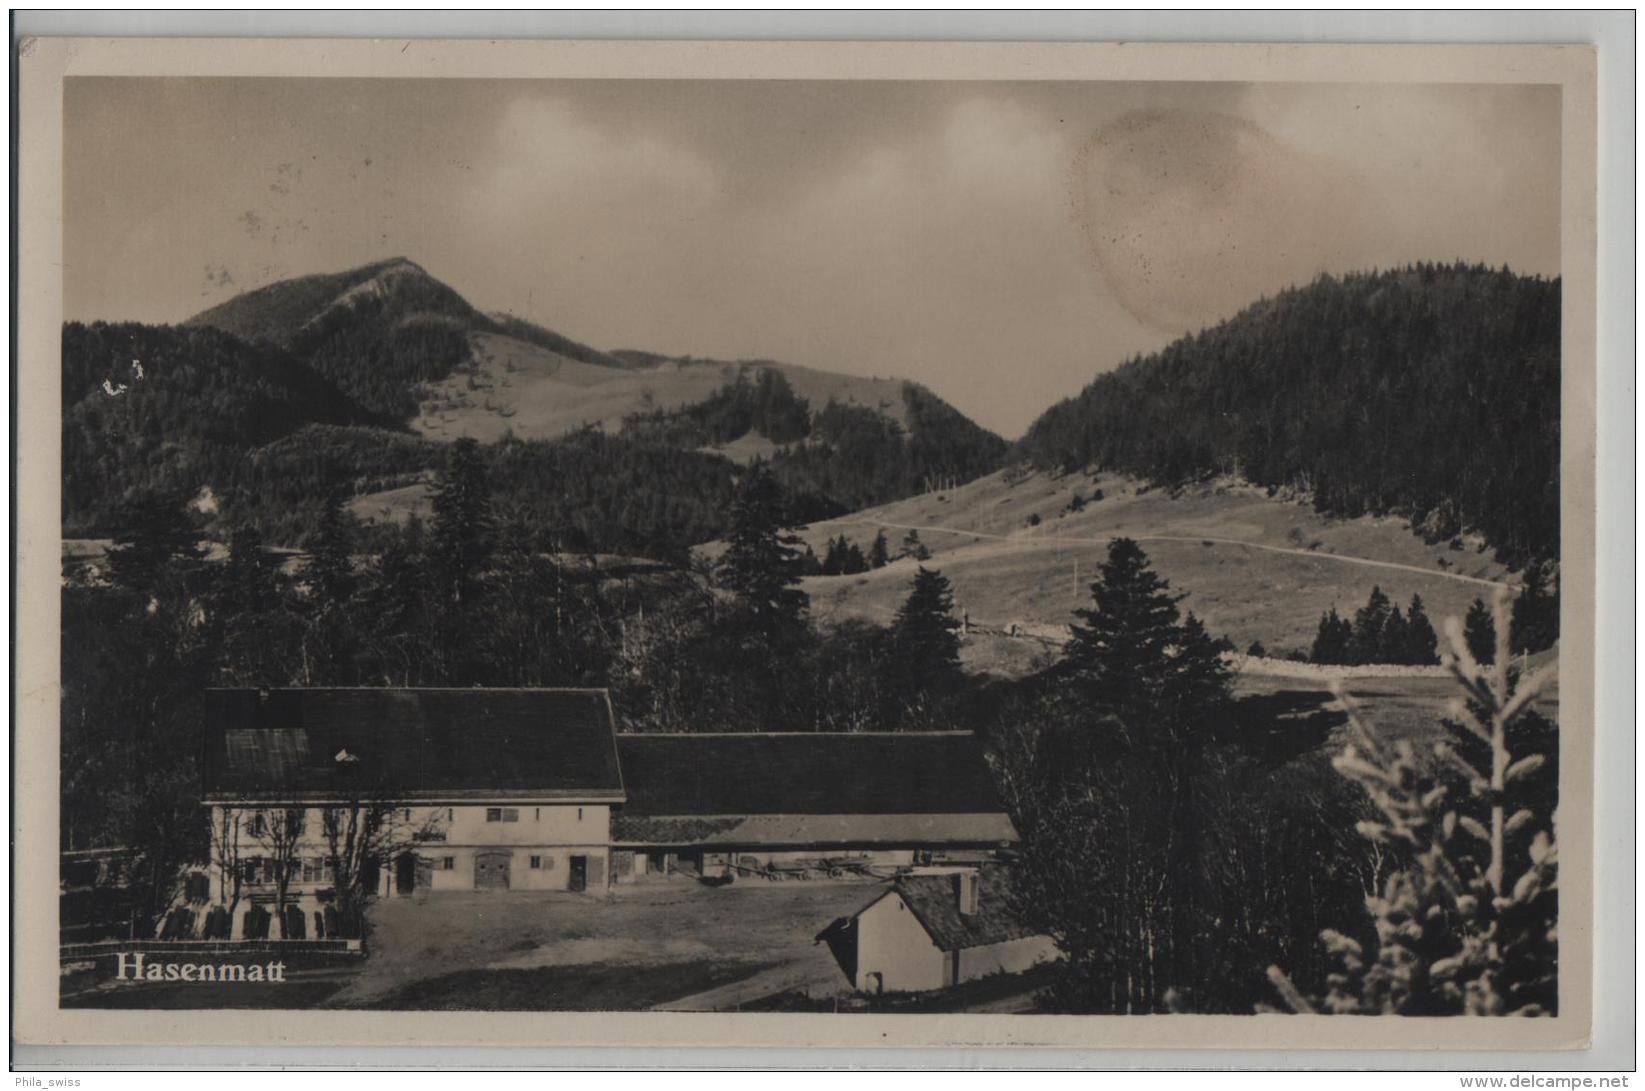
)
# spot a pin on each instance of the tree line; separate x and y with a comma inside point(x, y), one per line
point(1432, 391)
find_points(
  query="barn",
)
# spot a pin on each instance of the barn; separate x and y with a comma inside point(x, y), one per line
point(720, 806)
point(937, 927)
point(534, 789)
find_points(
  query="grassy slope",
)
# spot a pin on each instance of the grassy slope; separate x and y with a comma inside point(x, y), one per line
point(1040, 574)
point(540, 394)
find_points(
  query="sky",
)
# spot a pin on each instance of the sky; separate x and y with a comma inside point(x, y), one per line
point(1002, 243)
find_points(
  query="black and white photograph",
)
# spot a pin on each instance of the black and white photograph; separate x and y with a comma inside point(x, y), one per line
point(852, 547)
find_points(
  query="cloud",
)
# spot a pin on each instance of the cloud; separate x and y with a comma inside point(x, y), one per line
point(1192, 214)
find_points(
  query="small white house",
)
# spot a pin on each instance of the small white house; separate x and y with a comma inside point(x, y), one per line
point(940, 926)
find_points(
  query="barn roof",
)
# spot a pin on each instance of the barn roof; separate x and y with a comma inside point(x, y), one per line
point(934, 901)
point(819, 831)
point(806, 774)
point(409, 744)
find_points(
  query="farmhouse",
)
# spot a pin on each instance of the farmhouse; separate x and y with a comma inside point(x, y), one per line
point(462, 788)
point(938, 927)
point(720, 805)
point(509, 789)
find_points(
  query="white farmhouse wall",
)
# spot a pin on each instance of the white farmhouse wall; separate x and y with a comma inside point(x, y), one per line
point(891, 942)
point(554, 832)
point(539, 824)
point(1011, 957)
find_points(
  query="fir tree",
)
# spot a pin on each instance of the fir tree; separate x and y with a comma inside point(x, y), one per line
point(1421, 644)
point(1332, 639)
point(761, 565)
point(1394, 645)
point(250, 574)
point(1467, 920)
point(879, 552)
point(331, 578)
point(925, 643)
point(1132, 655)
point(1535, 614)
point(462, 522)
point(157, 532)
point(1369, 622)
point(1480, 633)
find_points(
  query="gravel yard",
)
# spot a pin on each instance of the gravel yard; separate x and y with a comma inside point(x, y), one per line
point(677, 945)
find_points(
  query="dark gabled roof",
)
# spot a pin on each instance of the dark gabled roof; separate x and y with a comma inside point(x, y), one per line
point(817, 831)
point(793, 774)
point(934, 899)
point(409, 744)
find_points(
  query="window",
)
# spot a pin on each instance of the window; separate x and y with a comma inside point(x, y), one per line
point(451, 814)
point(539, 817)
point(313, 869)
point(448, 863)
point(537, 862)
point(405, 814)
point(259, 825)
point(502, 814)
point(579, 814)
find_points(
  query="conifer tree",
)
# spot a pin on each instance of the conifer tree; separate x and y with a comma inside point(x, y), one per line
point(157, 533)
point(879, 552)
point(761, 565)
point(1121, 645)
point(925, 643)
point(1369, 622)
point(331, 558)
point(1394, 645)
point(462, 539)
point(250, 574)
point(1467, 921)
point(1332, 639)
point(1480, 631)
point(1535, 614)
point(1421, 644)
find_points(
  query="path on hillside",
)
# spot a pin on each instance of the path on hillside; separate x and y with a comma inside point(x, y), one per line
point(1190, 538)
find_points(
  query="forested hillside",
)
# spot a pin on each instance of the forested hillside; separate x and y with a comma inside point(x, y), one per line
point(846, 456)
point(164, 409)
point(1431, 391)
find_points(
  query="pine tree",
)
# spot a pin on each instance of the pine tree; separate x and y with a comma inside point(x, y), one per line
point(462, 523)
point(331, 577)
point(925, 643)
point(1132, 655)
point(156, 533)
point(761, 565)
point(1535, 614)
point(832, 559)
point(1467, 922)
point(250, 574)
point(1369, 622)
point(879, 552)
point(1421, 644)
point(1480, 632)
point(1332, 639)
point(852, 561)
point(913, 547)
point(1394, 645)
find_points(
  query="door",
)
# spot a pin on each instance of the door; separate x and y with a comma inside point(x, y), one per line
point(579, 873)
point(405, 874)
point(491, 870)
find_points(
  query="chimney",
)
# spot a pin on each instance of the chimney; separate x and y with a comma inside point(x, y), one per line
point(966, 891)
